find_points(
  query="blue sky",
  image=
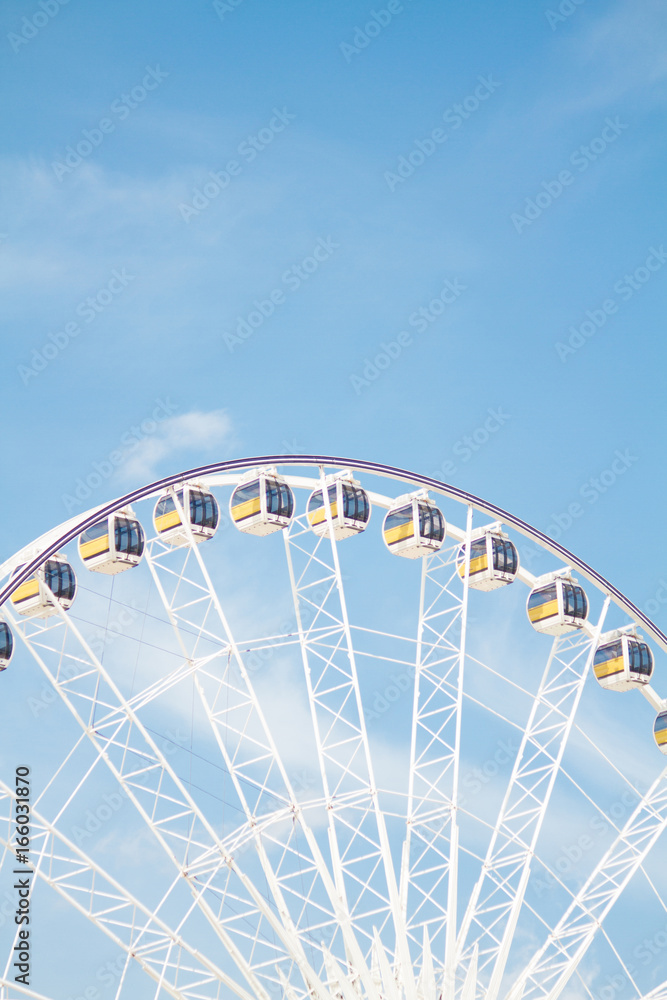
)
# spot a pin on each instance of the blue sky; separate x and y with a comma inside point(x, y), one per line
point(430, 235)
point(351, 110)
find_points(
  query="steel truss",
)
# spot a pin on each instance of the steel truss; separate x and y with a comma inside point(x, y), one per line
point(491, 917)
point(553, 964)
point(306, 891)
point(430, 855)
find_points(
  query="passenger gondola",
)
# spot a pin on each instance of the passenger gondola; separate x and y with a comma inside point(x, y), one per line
point(622, 662)
point(414, 527)
point(199, 508)
point(6, 644)
point(262, 503)
point(113, 544)
point(349, 509)
point(53, 584)
point(557, 606)
point(494, 561)
point(660, 731)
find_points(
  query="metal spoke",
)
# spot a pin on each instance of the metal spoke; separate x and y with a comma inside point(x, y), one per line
point(497, 898)
point(294, 853)
point(356, 823)
point(431, 847)
point(138, 931)
point(551, 967)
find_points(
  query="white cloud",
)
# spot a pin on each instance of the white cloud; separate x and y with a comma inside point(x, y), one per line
point(196, 432)
point(64, 238)
point(632, 37)
point(46, 220)
point(625, 45)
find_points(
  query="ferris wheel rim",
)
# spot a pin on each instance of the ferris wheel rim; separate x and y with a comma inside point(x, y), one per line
point(75, 525)
point(206, 476)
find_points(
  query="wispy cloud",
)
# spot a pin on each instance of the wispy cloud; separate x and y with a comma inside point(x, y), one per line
point(195, 432)
point(625, 49)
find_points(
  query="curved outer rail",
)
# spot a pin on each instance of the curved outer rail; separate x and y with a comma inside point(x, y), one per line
point(56, 538)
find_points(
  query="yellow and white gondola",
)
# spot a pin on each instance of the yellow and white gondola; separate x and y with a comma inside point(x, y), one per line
point(6, 645)
point(53, 583)
point(494, 560)
point(622, 662)
point(349, 508)
point(261, 504)
point(199, 509)
point(660, 731)
point(557, 606)
point(414, 527)
point(113, 544)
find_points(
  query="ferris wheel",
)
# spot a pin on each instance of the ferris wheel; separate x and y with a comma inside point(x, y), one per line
point(266, 758)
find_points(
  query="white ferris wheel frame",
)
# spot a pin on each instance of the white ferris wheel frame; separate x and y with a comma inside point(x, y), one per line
point(347, 778)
